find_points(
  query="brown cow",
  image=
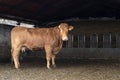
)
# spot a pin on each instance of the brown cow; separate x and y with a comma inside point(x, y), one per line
point(50, 39)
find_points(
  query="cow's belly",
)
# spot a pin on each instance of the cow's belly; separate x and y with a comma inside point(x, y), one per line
point(34, 46)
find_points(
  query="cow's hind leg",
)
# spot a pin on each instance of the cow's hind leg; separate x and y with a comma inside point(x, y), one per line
point(48, 55)
point(15, 56)
point(12, 56)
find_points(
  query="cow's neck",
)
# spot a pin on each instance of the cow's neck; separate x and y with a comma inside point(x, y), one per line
point(57, 32)
point(59, 41)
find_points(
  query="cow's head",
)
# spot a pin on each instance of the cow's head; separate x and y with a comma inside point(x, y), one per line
point(64, 28)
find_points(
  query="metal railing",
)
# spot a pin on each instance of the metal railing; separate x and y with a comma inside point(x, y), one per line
point(81, 40)
point(95, 40)
point(106, 40)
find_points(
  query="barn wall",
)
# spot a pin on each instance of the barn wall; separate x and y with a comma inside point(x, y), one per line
point(5, 40)
point(98, 26)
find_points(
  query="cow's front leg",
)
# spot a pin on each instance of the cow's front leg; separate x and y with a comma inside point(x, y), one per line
point(48, 61)
point(48, 55)
point(53, 60)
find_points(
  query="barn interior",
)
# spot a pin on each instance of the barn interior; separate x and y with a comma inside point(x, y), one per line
point(97, 20)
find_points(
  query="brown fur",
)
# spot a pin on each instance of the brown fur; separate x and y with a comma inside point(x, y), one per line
point(49, 39)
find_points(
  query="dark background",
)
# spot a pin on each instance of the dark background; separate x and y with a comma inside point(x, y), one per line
point(42, 11)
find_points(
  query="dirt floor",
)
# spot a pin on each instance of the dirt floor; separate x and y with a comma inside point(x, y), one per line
point(66, 70)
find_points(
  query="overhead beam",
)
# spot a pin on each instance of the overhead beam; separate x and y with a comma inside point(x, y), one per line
point(15, 7)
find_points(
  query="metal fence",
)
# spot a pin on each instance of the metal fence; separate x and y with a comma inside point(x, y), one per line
point(81, 40)
point(94, 40)
point(106, 40)
point(118, 40)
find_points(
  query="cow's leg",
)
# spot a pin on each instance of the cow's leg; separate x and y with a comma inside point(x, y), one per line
point(53, 60)
point(48, 55)
point(11, 56)
point(15, 56)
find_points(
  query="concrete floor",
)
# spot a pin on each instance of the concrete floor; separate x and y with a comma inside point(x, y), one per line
point(66, 70)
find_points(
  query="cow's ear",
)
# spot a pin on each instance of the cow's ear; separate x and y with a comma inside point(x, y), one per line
point(71, 28)
point(60, 28)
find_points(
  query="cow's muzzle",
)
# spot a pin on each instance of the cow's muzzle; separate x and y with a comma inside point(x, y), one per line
point(65, 38)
